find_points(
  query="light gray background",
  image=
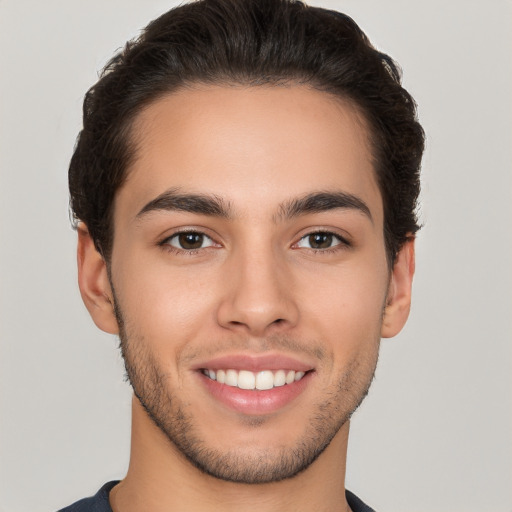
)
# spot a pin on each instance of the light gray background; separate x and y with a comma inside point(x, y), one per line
point(435, 432)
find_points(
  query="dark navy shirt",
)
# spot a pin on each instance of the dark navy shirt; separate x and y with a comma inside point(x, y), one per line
point(99, 502)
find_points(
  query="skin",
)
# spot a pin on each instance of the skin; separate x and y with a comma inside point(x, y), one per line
point(256, 286)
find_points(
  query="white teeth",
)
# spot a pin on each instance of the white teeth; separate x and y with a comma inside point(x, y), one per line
point(299, 375)
point(280, 378)
point(231, 378)
point(264, 380)
point(245, 379)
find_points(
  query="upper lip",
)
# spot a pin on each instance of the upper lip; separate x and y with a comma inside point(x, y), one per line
point(254, 363)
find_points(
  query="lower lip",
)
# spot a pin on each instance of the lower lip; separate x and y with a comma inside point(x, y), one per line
point(252, 401)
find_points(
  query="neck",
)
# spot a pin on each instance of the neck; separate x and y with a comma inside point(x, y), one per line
point(160, 479)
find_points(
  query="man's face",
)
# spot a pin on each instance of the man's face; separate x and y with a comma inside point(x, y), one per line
point(249, 249)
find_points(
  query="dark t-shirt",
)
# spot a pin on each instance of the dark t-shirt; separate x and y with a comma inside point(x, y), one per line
point(99, 502)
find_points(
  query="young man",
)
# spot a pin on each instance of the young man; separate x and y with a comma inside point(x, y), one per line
point(245, 189)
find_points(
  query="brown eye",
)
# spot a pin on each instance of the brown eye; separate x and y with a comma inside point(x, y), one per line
point(190, 240)
point(320, 240)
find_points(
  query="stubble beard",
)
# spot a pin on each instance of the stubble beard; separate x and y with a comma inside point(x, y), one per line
point(172, 417)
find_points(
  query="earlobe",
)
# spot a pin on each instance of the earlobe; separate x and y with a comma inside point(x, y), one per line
point(398, 303)
point(94, 283)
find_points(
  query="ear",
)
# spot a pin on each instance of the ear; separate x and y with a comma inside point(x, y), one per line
point(398, 303)
point(94, 283)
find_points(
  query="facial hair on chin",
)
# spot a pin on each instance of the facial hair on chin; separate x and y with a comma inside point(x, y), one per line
point(176, 420)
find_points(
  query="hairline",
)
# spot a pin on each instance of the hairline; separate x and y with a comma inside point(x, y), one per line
point(133, 138)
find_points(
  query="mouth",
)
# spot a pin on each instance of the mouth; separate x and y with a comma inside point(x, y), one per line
point(246, 379)
point(255, 385)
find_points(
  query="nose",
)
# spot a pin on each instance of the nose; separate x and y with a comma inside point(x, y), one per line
point(259, 295)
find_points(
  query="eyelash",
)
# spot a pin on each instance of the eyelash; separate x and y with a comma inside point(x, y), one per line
point(166, 245)
point(342, 244)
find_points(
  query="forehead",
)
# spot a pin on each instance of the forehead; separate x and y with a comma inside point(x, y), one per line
point(255, 147)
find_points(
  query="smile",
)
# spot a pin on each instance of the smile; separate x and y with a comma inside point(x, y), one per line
point(262, 380)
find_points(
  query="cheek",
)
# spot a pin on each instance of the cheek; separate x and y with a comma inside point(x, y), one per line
point(346, 305)
point(168, 307)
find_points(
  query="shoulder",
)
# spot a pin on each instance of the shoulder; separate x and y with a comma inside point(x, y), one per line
point(356, 504)
point(97, 503)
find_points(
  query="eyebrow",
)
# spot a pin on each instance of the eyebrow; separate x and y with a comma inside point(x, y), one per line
point(215, 206)
point(322, 202)
point(202, 204)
